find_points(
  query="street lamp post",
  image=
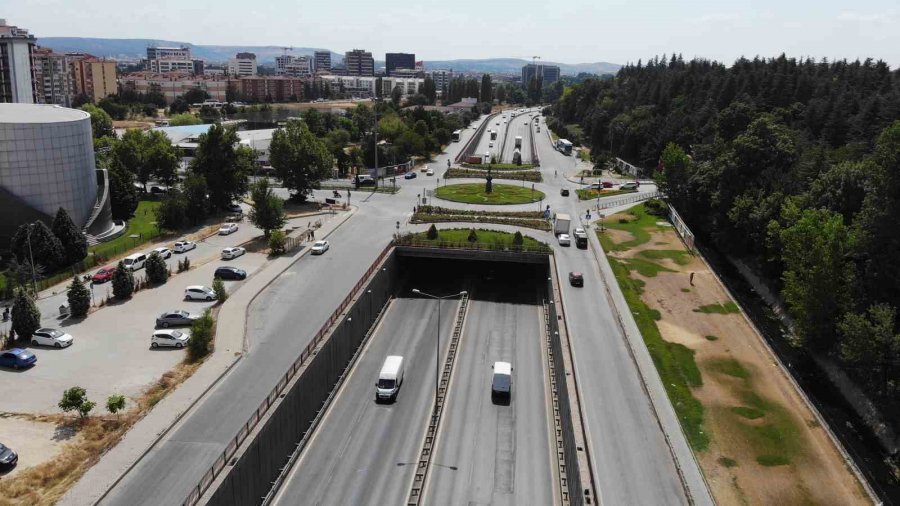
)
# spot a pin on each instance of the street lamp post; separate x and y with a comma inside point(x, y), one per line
point(31, 260)
point(437, 356)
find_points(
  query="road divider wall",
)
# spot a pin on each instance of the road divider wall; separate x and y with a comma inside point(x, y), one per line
point(472, 143)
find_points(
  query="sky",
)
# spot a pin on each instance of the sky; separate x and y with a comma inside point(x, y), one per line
point(574, 31)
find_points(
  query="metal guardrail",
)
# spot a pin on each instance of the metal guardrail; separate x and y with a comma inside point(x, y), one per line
point(245, 430)
point(473, 141)
point(475, 246)
point(534, 154)
point(606, 204)
point(557, 415)
point(418, 486)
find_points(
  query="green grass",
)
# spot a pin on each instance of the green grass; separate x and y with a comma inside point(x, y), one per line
point(773, 460)
point(686, 290)
point(749, 413)
point(473, 193)
point(679, 256)
point(727, 462)
point(727, 308)
point(588, 194)
point(487, 239)
point(712, 338)
point(674, 362)
point(141, 225)
point(645, 268)
point(728, 366)
point(639, 225)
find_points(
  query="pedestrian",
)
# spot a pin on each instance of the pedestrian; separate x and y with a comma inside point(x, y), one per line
point(692, 279)
point(312, 234)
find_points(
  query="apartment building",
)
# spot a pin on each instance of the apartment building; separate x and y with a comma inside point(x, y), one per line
point(355, 86)
point(175, 84)
point(164, 60)
point(243, 64)
point(408, 85)
point(92, 76)
point(322, 61)
point(270, 88)
point(359, 63)
point(293, 66)
point(16, 46)
point(441, 79)
point(51, 77)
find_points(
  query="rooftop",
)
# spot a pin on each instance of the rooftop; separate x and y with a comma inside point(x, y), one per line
point(39, 113)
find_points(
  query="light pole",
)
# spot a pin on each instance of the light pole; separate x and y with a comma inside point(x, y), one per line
point(31, 260)
point(437, 356)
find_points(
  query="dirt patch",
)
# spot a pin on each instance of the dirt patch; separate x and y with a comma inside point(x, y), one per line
point(764, 447)
point(35, 441)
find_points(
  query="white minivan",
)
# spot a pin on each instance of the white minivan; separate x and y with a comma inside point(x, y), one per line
point(135, 262)
point(389, 379)
point(501, 383)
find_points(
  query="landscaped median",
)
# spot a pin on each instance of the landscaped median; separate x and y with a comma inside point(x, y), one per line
point(501, 194)
point(526, 175)
point(756, 440)
point(499, 166)
point(474, 239)
point(435, 214)
point(589, 194)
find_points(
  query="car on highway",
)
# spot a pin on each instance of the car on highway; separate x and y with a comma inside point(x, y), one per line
point(17, 358)
point(409, 175)
point(228, 228)
point(169, 338)
point(631, 185)
point(104, 274)
point(576, 279)
point(564, 192)
point(198, 292)
point(320, 247)
point(565, 240)
point(429, 172)
point(51, 337)
point(364, 180)
point(490, 144)
point(8, 458)
point(501, 381)
point(175, 318)
point(163, 252)
point(233, 252)
point(226, 272)
point(184, 246)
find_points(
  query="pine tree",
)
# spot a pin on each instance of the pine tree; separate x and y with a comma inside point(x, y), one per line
point(36, 240)
point(122, 282)
point(26, 317)
point(79, 298)
point(157, 270)
point(73, 241)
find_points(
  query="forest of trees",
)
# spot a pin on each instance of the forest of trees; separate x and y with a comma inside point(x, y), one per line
point(792, 165)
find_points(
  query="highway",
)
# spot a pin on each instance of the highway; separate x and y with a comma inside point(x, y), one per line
point(363, 452)
point(489, 453)
point(520, 125)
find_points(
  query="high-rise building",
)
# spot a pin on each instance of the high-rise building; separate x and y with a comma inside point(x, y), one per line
point(293, 66)
point(172, 53)
point(51, 77)
point(546, 73)
point(16, 46)
point(322, 61)
point(394, 61)
point(359, 62)
point(92, 77)
point(243, 64)
point(441, 79)
point(171, 59)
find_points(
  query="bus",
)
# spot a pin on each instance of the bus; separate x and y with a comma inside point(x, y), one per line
point(493, 134)
point(564, 146)
point(455, 135)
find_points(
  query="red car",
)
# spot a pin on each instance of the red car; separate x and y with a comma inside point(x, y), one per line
point(607, 184)
point(104, 274)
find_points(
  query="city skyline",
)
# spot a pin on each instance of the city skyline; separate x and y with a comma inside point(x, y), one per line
point(575, 32)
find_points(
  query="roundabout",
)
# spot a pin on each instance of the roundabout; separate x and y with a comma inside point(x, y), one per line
point(502, 194)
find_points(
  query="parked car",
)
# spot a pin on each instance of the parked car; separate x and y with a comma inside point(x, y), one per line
point(230, 273)
point(607, 184)
point(51, 337)
point(429, 172)
point(104, 274)
point(8, 458)
point(235, 208)
point(170, 338)
point(564, 192)
point(184, 246)
point(631, 185)
point(409, 175)
point(228, 228)
point(17, 358)
point(565, 240)
point(229, 253)
point(197, 292)
point(135, 262)
point(163, 252)
point(320, 247)
point(576, 279)
point(157, 190)
point(175, 318)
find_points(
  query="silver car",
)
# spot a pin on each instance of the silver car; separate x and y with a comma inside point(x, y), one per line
point(175, 318)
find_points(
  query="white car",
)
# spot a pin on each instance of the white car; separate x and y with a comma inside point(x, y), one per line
point(197, 292)
point(565, 240)
point(580, 232)
point(229, 253)
point(51, 337)
point(429, 172)
point(631, 185)
point(169, 337)
point(320, 247)
point(184, 246)
point(163, 252)
point(228, 228)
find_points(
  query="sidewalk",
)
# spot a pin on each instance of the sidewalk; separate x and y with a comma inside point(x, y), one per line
point(230, 345)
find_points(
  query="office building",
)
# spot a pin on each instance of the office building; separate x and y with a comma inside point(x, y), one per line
point(359, 63)
point(394, 61)
point(168, 53)
point(546, 73)
point(293, 66)
point(243, 64)
point(51, 77)
point(199, 67)
point(163, 60)
point(408, 85)
point(441, 79)
point(322, 62)
point(16, 45)
point(92, 77)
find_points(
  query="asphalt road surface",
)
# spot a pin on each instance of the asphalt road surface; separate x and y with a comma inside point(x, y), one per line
point(491, 453)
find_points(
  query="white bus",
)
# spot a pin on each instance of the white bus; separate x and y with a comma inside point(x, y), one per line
point(564, 146)
point(455, 135)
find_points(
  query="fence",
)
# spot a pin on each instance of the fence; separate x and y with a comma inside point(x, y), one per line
point(681, 227)
point(640, 197)
point(627, 168)
point(249, 478)
point(541, 249)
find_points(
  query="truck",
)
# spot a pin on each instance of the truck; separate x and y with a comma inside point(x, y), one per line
point(518, 142)
point(561, 224)
point(389, 379)
point(493, 134)
point(517, 157)
point(501, 382)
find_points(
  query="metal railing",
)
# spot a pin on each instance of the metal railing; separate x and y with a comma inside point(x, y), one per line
point(418, 486)
point(474, 246)
point(245, 430)
point(558, 428)
point(640, 197)
point(473, 141)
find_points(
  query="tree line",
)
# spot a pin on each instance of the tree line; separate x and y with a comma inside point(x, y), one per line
point(792, 165)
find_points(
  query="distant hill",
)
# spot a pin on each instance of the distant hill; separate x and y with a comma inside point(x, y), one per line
point(135, 49)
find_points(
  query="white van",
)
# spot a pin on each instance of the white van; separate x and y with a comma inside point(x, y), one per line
point(389, 379)
point(501, 384)
point(135, 262)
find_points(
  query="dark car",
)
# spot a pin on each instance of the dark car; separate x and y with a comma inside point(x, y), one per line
point(564, 192)
point(364, 180)
point(175, 318)
point(576, 279)
point(8, 458)
point(230, 273)
point(409, 175)
point(17, 358)
point(607, 184)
